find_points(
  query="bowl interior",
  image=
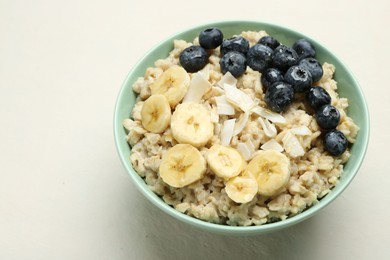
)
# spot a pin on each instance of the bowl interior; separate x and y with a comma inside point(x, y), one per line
point(347, 87)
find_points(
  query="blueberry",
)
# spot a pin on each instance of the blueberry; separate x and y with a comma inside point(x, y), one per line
point(284, 57)
point(328, 117)
point(335, 142)
point(317, 97)
point(314, 67)
point(269, 41)
point(304, 49)
point(234, 62)
point(270, 76)
point(279, 96)
point(210, 38)
point(193, 58)
point(238, 43)
point(259, 57)
point(299, 78)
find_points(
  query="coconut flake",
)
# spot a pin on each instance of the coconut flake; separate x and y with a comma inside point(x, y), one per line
point(227, 131)
point(223, 106)
point(272, 145)
point(214, 117)
point(241, 123)
point(238, 97)
point(225, 109)
point(257, 110)
point(198, 86)
point(269, 129)
point(228, 78)
point(233, 94)
point(244, 151)
point(205, 72)
point(301, 130)
point(271, 116)
point(292, 146)
point(250, 145)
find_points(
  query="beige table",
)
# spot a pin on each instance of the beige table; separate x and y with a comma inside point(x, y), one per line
point(64, 193)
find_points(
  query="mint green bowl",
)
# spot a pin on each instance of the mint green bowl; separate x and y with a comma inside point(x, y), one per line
point(348, 87)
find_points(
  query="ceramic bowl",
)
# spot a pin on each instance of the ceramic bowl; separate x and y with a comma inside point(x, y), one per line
point(347, 87)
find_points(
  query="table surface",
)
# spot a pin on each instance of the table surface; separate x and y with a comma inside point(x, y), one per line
point(63, 191)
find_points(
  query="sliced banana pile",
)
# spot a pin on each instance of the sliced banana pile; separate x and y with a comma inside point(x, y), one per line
point(192, 127)
point(266, 174)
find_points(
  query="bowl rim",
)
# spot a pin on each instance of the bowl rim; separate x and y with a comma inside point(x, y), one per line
point(239, 230)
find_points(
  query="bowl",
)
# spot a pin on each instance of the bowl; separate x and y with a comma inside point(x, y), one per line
point(347, 87)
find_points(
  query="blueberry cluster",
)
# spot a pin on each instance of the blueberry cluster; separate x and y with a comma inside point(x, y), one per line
point(194, 58)
point(296, 67)
point(294, 70)
point(285, 71)
point(327, 117)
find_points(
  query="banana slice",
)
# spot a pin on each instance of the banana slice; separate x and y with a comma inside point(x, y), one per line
point(271, 170)
point(173, 84)
point(182, 165)
point(241, 189)
point(225, 162)
point(191, 124)
point(156, 114)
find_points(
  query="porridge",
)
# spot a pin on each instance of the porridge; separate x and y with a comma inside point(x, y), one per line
point(241, 131)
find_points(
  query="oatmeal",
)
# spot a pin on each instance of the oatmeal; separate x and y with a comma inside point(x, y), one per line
point(214, 142)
